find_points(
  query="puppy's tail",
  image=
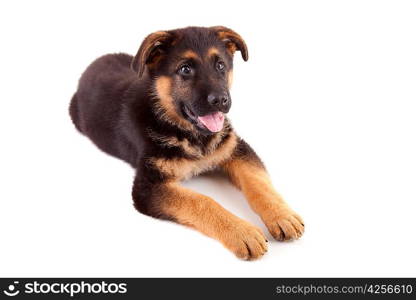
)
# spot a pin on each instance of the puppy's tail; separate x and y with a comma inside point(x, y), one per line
point(74, 112)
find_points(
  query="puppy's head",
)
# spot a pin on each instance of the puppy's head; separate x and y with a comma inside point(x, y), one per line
point(191, 69)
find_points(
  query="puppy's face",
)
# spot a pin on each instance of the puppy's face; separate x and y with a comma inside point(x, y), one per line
point(192, 73)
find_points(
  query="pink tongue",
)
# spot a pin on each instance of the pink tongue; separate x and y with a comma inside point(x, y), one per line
point(213, 122)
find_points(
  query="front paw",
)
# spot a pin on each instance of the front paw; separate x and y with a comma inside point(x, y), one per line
point(284, 224)
point(246, 241)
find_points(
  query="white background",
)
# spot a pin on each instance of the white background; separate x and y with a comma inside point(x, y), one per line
point(327, 99)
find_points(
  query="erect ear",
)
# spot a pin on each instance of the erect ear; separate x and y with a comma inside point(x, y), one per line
point(232, 40)
point(151, 50)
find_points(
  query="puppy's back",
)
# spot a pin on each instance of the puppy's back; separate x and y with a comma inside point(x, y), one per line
point(95, 107)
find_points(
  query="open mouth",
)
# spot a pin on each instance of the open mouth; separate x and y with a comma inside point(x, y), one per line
point(213, 122)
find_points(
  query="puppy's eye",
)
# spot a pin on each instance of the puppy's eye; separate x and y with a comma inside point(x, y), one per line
point(220, 66)
point(185, 70)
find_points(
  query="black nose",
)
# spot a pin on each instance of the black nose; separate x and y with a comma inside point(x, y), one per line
point(219, 101)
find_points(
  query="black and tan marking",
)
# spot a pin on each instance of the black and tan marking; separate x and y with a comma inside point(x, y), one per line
point(247, 172)
point(151, 111)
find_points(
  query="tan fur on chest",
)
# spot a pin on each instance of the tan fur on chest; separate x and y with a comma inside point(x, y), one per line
point(181, 168)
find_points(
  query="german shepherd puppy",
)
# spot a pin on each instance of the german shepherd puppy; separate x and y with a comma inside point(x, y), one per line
point(164, 112)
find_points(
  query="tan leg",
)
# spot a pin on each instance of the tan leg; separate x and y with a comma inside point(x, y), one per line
point(205, 215)
point(251, 177)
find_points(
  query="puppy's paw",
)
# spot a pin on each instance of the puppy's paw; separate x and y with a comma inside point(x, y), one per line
point(284, 224)
point(246, 241)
